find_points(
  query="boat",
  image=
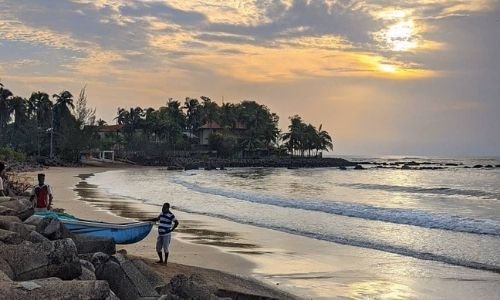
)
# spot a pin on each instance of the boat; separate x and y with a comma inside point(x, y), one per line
point(121, 233)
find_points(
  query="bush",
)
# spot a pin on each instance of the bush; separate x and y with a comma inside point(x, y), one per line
point(7, 154)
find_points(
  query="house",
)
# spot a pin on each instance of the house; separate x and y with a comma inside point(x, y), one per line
point(213, 127)
point(108, 131)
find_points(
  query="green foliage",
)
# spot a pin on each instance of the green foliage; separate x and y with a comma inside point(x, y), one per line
point(248, 127)
point(302, 138)
point(225, 145)
point(8, 154)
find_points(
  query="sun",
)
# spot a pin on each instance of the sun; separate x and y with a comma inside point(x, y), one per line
point(401, 36)
point(387, 68)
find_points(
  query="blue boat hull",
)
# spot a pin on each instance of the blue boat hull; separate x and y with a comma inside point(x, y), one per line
point(125, 233)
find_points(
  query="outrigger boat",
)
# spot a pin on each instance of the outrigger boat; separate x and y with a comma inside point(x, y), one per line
point(121, 233)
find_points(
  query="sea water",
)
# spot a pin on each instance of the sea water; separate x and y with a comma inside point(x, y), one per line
point(449, 215)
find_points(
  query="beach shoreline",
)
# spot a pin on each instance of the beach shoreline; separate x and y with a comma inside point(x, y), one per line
point(186, 258)
point(299, 265)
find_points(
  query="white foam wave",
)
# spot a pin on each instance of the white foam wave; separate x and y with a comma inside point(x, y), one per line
point(391, 215)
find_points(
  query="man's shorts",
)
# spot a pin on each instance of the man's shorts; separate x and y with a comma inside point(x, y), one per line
point(163, 242)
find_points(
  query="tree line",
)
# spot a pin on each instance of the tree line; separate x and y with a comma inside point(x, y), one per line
point(28, 125)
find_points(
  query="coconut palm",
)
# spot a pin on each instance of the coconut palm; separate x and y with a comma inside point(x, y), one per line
point(325, 140)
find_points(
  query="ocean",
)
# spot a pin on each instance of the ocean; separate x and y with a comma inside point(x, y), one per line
point(448, 216)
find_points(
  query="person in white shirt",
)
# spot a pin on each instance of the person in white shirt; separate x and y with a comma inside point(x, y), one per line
point(168, 223)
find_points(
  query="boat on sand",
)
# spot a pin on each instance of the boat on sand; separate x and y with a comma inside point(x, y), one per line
point(121, 233)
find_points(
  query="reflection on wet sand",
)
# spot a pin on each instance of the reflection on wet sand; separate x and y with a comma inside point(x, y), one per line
point(191, 230)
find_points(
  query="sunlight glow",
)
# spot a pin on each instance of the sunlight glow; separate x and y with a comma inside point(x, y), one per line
point(388, 68)
point(401, 36)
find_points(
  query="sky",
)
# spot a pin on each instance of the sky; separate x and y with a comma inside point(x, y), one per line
point(418, 77)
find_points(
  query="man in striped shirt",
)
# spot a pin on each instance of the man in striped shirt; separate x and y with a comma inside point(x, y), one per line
point(168, 223)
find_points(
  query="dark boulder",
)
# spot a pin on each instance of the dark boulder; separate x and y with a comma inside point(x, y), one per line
point(36, 237)
point(9, 237)
point(54, 288)
point(53, 229)
point(50, 259)
point(21, 208)
point(478, 166)
point(87, 244)
point(191, 288)
point(6, 221)
point(124, 279)
point(358, 167)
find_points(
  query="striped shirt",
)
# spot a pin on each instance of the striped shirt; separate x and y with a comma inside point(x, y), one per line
point(166, 223)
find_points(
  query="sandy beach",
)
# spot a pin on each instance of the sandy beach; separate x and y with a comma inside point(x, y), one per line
point(217, 267)
point(309, 268)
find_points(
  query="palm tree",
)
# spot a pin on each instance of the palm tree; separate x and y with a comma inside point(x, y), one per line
point(193, 114)
point(5, 106)
point(294, 136)
point(42, 106)
point(19, 107)
point(325, 140)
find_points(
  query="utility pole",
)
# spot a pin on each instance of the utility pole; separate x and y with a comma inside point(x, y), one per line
point(52, 137)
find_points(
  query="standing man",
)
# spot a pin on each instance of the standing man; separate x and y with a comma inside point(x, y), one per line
point(3, 192)
point(168, 223)
point(41, 196)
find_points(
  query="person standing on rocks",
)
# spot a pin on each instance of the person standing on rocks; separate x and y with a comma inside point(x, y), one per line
point(41, 195)
point(3, 192)
point(168, 223)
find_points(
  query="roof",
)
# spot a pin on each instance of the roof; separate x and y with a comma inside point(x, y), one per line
point(215, 125)
point(110, 128)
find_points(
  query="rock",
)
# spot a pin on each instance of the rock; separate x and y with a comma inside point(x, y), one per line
point(112, 296)
point(478, 166)
point(342, 168)
point(52, 288)
point(359, 167)
point(99, 259)
point(497, 166)
point(21, 229)
point(34, 220)
point(22, 208)
point(160, 285)
point(189, 288)
point(49, 259)
point(88, 244)
point(87, 265)
point(53, 229)
point(405, 167)
point(36, 237)
point(5, 211)
point(488, 166)
point(9, 237)
point(5, 221)
point(4, 277)
point(6, 269)
point(125, 280)
point(86, 275)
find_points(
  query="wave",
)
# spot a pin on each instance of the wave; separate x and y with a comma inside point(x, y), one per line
point(363, 244)
point(390, 215)
point(415, 189)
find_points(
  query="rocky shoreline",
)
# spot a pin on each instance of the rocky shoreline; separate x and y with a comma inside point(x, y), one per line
point(267, 162)
point(41, 259)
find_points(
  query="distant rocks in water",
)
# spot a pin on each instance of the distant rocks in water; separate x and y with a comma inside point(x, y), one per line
point(451, 164)
point(342, 168)
point(488, 166)
point(497, 166)
point(359, 167)
point(478, 166)
point(405, 167)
